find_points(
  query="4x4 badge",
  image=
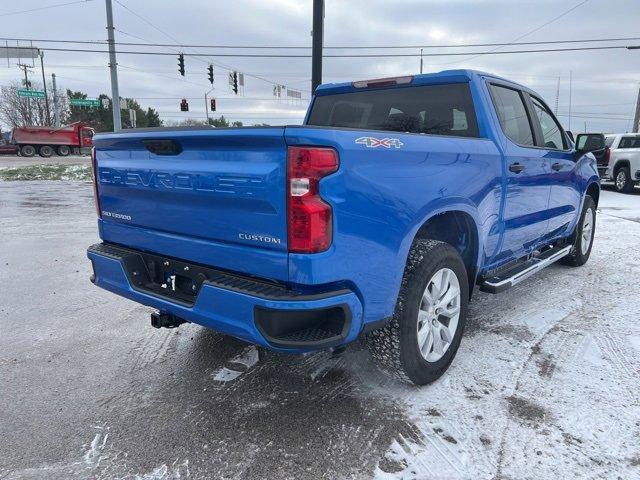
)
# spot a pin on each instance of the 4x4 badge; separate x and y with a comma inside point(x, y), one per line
point(373, 142)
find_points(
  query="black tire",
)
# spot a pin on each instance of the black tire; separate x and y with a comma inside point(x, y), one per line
point(63, 150)
point(622, 180)
point(45, 151)
point(27, 150)
point(394, 347)
point(578, 255)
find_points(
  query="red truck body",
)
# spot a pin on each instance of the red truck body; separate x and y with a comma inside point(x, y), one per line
point(46, 140)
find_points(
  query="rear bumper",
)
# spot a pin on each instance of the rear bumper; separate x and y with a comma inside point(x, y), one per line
point(263, 313)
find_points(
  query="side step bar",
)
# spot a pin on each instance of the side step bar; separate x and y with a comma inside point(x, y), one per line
point(506, 279)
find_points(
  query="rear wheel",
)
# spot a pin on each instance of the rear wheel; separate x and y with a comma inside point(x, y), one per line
point(420, 341)
point(27, 150)
point(45, 151)
point(623, 180)
point(583, 237)
point(64, 150)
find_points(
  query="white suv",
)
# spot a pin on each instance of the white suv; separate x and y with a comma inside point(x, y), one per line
point(623, 167)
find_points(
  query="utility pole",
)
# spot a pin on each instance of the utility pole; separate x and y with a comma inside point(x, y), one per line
point(44, 84)
point(56, 110)
point(316, 44)
point(421, 60)
point(27, 85)
point(113, 67)
point(635, 128)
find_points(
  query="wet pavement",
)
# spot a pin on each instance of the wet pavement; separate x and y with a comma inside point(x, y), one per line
point(545, 379)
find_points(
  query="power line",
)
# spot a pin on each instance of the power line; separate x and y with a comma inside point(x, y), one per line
point(566, 12)
point(298, 47)
point(147, 21)
point(220, 65)
point(43, 8)
point(360, 55)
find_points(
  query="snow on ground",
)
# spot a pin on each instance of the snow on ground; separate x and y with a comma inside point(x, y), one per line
point(545, 384)
point(47, 172)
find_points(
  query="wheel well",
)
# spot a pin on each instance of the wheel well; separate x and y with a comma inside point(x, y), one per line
point(594, 192)
point(458, 229)
point(619, 164)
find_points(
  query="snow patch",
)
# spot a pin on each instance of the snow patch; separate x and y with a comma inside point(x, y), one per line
point(226, 375)
point(247, 359)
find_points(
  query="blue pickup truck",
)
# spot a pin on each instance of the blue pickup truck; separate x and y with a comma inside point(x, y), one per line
point(376, 218)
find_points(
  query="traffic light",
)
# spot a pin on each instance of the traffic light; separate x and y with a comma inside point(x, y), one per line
point(213, 104)
point(235, 83)
point(210, 69)
point(181, 64)
point(184, 105)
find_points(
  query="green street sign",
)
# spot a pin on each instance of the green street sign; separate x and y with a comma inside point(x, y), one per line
point(85, 102)
point(23, 92)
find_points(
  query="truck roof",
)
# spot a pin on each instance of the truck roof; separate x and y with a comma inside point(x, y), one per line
point(445, 76)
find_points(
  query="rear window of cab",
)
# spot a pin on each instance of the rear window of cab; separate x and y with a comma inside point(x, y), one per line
point(429, 109)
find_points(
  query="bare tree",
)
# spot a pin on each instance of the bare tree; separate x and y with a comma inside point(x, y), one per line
point(17, 111)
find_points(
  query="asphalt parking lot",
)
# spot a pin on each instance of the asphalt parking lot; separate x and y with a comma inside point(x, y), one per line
point(90, 390)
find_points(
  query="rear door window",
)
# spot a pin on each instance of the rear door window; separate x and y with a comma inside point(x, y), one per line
point(512, 114)
point(629, 142)
point(429, 109)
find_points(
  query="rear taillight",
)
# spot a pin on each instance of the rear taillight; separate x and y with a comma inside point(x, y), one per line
point(607, 155)
point(94, 174)
point(309, 217)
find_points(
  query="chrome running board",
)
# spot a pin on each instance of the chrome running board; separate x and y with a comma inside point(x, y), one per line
point(511, 276)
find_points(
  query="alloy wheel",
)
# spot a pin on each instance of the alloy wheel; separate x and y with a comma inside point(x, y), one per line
point(587, 231)
point(621, 179)
point(438, 315)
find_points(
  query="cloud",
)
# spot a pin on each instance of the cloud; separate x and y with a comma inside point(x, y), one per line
point(604, 83)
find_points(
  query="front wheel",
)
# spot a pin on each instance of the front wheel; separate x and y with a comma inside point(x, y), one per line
point(583, 236)
point(420, 341)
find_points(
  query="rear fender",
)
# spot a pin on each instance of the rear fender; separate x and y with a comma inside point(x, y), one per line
point(438, 207)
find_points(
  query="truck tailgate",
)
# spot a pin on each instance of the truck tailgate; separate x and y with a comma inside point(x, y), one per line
point(212, 196)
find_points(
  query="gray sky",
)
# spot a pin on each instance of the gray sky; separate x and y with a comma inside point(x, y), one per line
point(605, 83)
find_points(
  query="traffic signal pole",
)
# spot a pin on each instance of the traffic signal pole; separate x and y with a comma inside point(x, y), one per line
point(316, 44)
point(113, 68)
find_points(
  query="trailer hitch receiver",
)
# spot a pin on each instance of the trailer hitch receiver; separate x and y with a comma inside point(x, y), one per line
point(165, 320)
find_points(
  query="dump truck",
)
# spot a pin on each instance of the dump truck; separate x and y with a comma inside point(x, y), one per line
point(46, 141)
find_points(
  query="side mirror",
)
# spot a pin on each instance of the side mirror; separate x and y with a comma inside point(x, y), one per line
point(589, 142)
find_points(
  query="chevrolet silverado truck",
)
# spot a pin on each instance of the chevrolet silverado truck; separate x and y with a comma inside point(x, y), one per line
point(622, 164)
point(375, 218)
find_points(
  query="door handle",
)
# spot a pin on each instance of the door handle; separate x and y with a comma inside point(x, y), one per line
point(556, 166)
point(516, 167)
